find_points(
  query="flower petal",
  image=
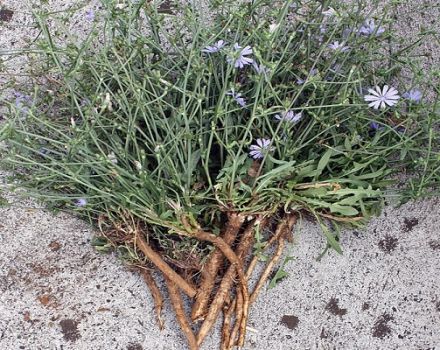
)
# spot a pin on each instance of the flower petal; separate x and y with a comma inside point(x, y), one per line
point(371, 98)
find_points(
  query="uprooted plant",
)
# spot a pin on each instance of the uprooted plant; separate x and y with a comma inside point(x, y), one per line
point(195, 139)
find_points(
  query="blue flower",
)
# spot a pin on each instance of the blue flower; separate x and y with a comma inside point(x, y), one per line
point(81, 202)
point(413, 95)
point(214, 48)
point(375, 126)
point(312, 73)
point(370, 28)
point(260, 149)
point(289, 116)
point(260, 68)
point(22, 101)
point(237, 97)
point(338, 46)
point(241, 60)
point(90, 15)
point(380, 98)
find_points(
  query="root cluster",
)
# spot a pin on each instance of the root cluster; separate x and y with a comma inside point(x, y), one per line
point(223, 283)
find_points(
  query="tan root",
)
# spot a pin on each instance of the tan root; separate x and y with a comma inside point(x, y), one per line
point(235, 308)
point(176, 301)
point(169, 273)
point(285, 227)
point(227, 282)
point(211, 268)
point(156, 294)
point(282, 231)
point(228, 310)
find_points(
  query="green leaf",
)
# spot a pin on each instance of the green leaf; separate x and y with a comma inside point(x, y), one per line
point(279, 275)
point(323, 162)
point(274, 175)
point(331, 239)
point(343, 210)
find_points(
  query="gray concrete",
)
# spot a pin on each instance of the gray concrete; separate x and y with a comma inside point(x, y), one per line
point(56, 292)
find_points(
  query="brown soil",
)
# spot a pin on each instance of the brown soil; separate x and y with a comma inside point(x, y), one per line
point(70, 331)
point(333, 307)
point(290, 321)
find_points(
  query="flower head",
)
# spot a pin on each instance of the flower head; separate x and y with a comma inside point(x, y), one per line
point(376, 126)
point(81, 202)
point(381, 98)
point(112, 157)
point(273, 27)
point(214, 48)
point(237, 97)
point(22, 101)
point(289, 116)
point(370, 28)
point(260, 68)
point(90, 15)
point(260, 149)
point(241, 60)
point(329, 12)
point(312, 73)
point(338, 46)
point(413, 95)
point(137, 165)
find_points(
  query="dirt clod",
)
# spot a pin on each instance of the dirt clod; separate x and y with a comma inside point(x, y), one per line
point(290, 321)
point(333, 307)
point(365, 306)
point(44, 299)
point(6, 15)
point(388, 244)
point(409, 224)
point(70, 331)
point(434, 244)
point(134, 346)
point(381, 329)
point(54, 246)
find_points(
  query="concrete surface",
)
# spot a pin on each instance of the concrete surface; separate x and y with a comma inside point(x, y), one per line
point(56, 292)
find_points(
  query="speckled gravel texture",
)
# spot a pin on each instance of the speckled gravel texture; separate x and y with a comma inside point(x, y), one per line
point(57, 292)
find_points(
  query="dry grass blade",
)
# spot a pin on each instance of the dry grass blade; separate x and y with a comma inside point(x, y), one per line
point(157, 260)
point(212, 267)
point(156, 294)
point(176, 301)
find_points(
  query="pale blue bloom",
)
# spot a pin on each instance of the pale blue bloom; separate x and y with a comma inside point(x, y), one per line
point(289, 116)
point(260, 149)
point(370, 28)
point(81, 202)
point(214, 48)
point(338, 46)
point(312, 73)
point(90, 15)
point(241, 60)
point(22, 102)
point(260, 68)
point(376, 126)
point(380, 98)
point(413, 95)
point(237, 97)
